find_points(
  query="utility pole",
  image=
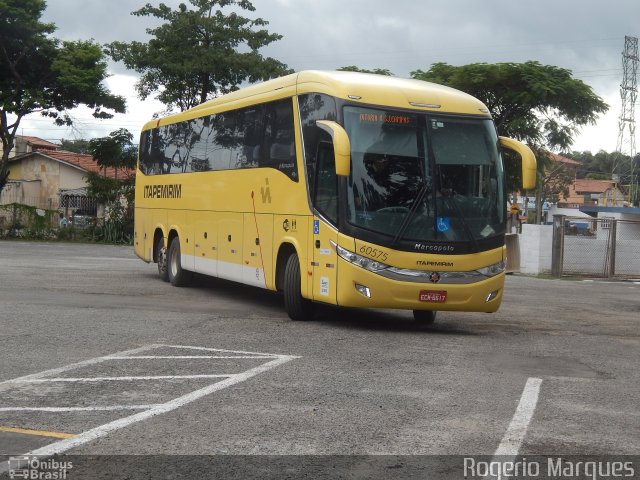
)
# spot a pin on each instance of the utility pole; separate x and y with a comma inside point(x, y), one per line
point(628, 92)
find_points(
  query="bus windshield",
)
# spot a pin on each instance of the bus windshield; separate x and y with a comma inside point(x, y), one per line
point(417, 177)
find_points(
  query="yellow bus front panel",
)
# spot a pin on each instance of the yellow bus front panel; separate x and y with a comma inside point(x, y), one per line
point(388, 293)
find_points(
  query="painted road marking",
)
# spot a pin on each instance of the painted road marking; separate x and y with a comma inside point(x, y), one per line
point(100, 408)
point(8, 384)
point(512, 440)
point(125, 378)
point(39, 433)
point(187, 357)
point(239, 352)
point(101, 431)
point(151, 410)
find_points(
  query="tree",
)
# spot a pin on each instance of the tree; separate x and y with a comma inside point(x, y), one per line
point(377, 71)
point(116, 150)
point(40, 74)
point(198, 54)
point(541, 105)
point(77, 146)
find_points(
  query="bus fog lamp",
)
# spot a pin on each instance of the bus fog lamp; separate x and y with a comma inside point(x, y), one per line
point(491, 296)
point(363, 290)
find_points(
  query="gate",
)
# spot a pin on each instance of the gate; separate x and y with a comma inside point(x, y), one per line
point(595, 247)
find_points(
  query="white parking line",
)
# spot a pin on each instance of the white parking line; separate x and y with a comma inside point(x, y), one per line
point(208, 349)
point(101, 431)
point(8, 384)
point(187, 357)
point(126, 379)
point(512, 440)
point(105, 408)
point(150, 410)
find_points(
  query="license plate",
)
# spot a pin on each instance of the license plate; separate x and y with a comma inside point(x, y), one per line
point(433, 297)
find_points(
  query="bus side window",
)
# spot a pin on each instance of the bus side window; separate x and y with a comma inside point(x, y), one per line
point(221, 140)
point(280, 139)
point(326, 184)
point(249, 136)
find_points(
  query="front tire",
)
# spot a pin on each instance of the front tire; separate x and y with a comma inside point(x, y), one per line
point(177, 276)
point(297, 307)
point(424, 317)
point(161, 260)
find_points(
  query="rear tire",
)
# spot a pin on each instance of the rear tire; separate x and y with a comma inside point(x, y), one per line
point(161, 260)
point(297, 307)
point(424, 317)
point(177, 276)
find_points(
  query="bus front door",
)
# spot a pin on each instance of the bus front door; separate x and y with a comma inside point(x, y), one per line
point(325, 258)
point(325, 262)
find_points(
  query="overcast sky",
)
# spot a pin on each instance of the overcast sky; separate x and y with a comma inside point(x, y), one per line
point(585, 36)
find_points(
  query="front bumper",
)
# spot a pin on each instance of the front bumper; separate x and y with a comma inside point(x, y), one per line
point(390, 293)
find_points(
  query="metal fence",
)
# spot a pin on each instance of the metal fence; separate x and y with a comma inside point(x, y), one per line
point(596, 247)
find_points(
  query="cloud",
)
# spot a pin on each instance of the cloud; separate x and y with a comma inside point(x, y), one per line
point(404, 35)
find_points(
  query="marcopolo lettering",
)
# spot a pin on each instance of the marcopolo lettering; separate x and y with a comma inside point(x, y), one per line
point(421, 247)
point(163, 191)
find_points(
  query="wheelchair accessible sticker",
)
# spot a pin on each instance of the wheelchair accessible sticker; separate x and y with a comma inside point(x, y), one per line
point(443, 224)
point(316, 227)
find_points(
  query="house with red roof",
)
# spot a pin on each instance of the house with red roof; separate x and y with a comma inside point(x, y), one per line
point(588, 192)
point(44, 176)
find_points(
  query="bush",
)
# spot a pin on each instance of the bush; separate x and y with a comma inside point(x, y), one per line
point(116, 227)
point(25, 221)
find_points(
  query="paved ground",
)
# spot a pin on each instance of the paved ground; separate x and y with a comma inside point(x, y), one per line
point(76, 319)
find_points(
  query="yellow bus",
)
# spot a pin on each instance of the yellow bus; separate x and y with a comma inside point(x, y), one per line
point(341, 188)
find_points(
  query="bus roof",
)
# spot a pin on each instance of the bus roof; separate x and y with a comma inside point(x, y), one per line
point(356, 87)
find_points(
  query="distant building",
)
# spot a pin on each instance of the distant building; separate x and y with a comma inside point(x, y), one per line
point(603, 193)
point(43, 176)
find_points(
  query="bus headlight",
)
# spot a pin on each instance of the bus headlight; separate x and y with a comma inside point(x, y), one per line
point(492, 270)
point(359, 260)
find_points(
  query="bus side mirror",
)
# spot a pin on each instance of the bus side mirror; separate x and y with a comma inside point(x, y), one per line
point(341, 146)
point(528, 161)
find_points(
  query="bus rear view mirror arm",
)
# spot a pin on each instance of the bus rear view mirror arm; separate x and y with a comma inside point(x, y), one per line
point(528, 161)
point(341, 146)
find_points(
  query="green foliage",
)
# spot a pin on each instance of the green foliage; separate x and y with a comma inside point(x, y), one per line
point(77, 146)
point(116, 150)
point(541, 105)
point(377, 71)
point(598, 176)
point(557, 178)
point(116, 226)
point(197, 54)
point(603, 165)
point(40, 74)
point(25, 221)
point(106, 190)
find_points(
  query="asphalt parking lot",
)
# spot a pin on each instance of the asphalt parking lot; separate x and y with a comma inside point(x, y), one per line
point(99, 357)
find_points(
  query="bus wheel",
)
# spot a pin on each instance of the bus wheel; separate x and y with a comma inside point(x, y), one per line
point(424, 317)
point(177, 276)
point(161, 259)
point(298, 308)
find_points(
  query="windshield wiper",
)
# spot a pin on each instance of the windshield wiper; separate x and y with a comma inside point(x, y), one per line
point(412, 211)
